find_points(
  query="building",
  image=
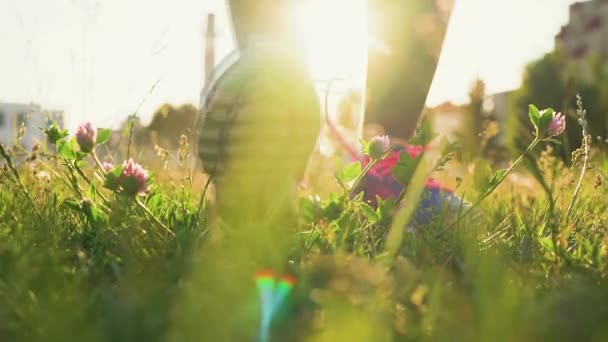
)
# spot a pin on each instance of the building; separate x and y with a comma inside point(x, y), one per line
point(449, 119)
point(586, 31)
point(14, 116)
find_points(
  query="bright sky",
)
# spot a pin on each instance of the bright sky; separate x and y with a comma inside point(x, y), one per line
point(98, 60)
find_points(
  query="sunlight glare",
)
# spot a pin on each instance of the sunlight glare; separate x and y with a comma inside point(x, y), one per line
point(336, 37)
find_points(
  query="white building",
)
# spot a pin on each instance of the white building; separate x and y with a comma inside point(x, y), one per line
point(449, 119)
point(13, 116)
point(586, 31)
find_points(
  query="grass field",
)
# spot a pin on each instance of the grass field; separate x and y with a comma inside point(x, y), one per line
point(89, 255)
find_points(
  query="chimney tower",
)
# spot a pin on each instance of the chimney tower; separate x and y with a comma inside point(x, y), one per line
point(210, 47)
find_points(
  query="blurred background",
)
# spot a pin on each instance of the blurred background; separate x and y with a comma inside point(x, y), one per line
point(103, 61)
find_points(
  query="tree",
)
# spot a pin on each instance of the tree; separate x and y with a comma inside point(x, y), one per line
point(169, 123)
point(474, 117)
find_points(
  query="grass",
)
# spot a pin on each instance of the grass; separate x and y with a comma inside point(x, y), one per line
point(84, 262)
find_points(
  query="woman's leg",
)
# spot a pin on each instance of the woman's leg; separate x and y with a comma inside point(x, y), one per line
point(398, 82)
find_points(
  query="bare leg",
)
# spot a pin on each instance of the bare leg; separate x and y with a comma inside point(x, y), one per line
point(398, 83)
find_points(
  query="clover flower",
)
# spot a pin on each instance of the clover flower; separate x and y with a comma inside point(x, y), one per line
point(133, 179)
point(107, 167)
point(85, 137)
point(379, 146)
point(557, 125)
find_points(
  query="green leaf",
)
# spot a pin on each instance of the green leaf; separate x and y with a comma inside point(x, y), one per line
point(72, 205)
point(365, 146)
point(81, 163)
point(80, 155)
point(351, 172)
point(405, 168)
point(369, 213)
point(481, 176)
point(447, 149)
point(97, 215)
point(332, 210)
point(111, 181)
point(343, 222)
point(308, 209)
point(495, 181)
point(545, 119)
point(155, 201)
point(65, 149)
point(531, 165)
point(55, 134)
point(385, 209)
point(103, 135)
point(534, 115)
point(547, 244)
point(497, 176)
point(424, 134)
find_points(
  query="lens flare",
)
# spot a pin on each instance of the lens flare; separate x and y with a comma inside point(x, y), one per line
point(273, 296)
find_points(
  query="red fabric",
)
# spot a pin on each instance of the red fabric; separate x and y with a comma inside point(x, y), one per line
point(383, 167)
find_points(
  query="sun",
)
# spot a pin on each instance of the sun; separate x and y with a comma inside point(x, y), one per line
point(335, 35)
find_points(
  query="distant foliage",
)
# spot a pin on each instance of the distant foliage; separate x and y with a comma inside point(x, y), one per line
point(170, 122)
point(554, 81)
point(475, 119)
